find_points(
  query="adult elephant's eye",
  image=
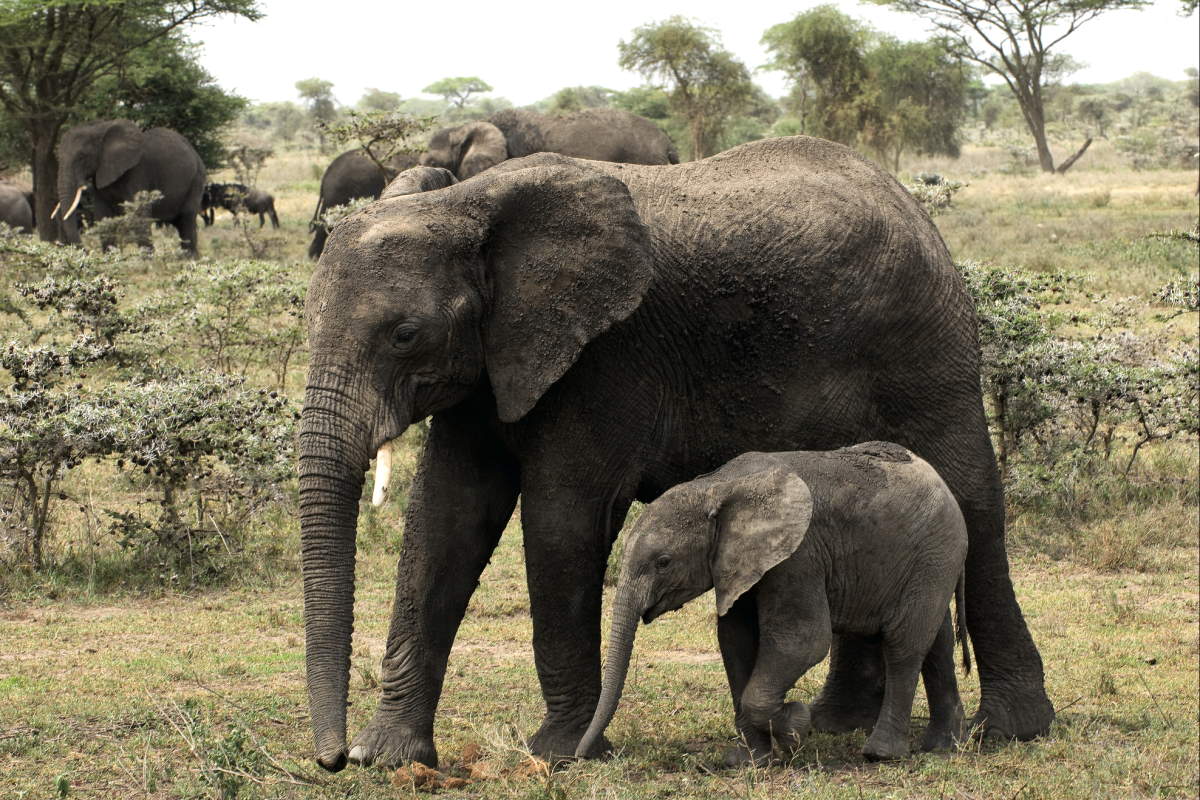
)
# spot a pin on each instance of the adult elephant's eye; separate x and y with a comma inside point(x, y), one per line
point(662, 562)
point(404, 335)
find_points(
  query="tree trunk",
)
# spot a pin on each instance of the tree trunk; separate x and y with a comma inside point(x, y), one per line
point(44, 134)
point(1066, 165)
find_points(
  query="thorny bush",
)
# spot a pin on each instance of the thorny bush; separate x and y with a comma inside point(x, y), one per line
point(1074, 397)
point(204, 447)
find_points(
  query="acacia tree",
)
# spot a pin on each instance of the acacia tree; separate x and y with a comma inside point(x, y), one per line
point(1015, 39)
point(53, 52)
point(457, 91)
point(708, 85)
point(322, 110)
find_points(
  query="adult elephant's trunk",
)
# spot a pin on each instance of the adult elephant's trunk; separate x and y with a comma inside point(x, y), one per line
point(627, 611)
point(334, 453)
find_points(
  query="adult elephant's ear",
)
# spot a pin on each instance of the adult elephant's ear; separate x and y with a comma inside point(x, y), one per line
point(483, 146)
point(418, 179)
point(567, 257)
point(120, 151)
point(760, 519)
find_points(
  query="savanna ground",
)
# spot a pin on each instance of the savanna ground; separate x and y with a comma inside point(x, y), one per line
point(111, 689)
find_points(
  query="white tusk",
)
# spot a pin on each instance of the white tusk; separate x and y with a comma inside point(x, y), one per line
point(75, 202)
point(383, 474)
point(57, 206)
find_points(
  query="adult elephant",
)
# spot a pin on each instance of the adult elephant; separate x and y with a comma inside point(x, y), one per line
point(16, 208)
point(585, 334)
point(601, 134)
point(351, 176)
point(117, 159)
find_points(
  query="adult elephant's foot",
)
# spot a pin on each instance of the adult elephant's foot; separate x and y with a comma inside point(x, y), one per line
point(1005, 713)
point(556, 742)
point(387, 743)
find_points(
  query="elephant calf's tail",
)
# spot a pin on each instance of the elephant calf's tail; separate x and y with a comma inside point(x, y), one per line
point(960, 622)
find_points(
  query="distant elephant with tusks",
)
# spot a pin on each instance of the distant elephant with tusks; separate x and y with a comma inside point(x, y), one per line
point(115, 159)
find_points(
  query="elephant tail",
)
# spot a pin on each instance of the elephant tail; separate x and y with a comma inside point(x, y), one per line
point(315, 222)
point(960, 622)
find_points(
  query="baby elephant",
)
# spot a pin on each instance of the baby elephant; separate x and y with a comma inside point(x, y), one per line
point(865, 540)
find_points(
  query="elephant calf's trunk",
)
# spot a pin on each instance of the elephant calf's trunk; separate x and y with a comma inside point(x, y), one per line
point(627, 610)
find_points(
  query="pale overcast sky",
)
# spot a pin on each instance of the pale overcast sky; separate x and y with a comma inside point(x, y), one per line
point(530, 53)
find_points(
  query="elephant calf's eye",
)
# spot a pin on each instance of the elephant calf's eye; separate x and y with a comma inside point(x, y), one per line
point(662, 562)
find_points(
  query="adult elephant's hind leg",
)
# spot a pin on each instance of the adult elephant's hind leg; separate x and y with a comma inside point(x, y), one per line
point(1013, 701)
point(567, 538)
point(461, 499)
point(853, 691)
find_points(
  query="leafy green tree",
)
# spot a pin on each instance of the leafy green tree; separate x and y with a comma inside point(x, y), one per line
point(164, 86)
point(283, 120)
point(1096, 110)
point(457, 91)
point(1015, 40)
point(918, 100)
point(52, 54)
point(822, 52)
point(855, 86)
point(379, 100)
point(708, 85)
point(322, 109)
point(576, 98)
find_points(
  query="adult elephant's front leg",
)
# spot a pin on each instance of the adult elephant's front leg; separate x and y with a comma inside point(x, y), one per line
point(567, 538)
point(461, 499)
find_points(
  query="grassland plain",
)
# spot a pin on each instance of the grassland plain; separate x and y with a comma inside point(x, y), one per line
point(107, 691)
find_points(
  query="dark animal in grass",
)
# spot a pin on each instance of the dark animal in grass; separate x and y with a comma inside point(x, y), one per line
point(585, 334)
point(866, 540)
point(116, 159)
point(235, 197)
point(601, 134)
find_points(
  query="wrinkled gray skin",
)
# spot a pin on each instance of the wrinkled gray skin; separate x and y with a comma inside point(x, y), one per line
point(585, 334)
point(116, 159)
point(349, 177)
point(16, 209)
point(866, 540)
point(600, 134)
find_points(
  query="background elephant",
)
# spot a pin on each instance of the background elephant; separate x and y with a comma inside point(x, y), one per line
point(16, 208)
point(349, 177)
point(866, 539)
point(587, 334)
point(235, 197)
point(601, 134)
point(118, 160)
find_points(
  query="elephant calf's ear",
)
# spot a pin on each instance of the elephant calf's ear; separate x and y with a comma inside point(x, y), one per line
point(568, 257)
point(762, 518)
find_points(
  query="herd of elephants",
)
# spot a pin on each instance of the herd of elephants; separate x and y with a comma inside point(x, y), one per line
point(770, 346)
